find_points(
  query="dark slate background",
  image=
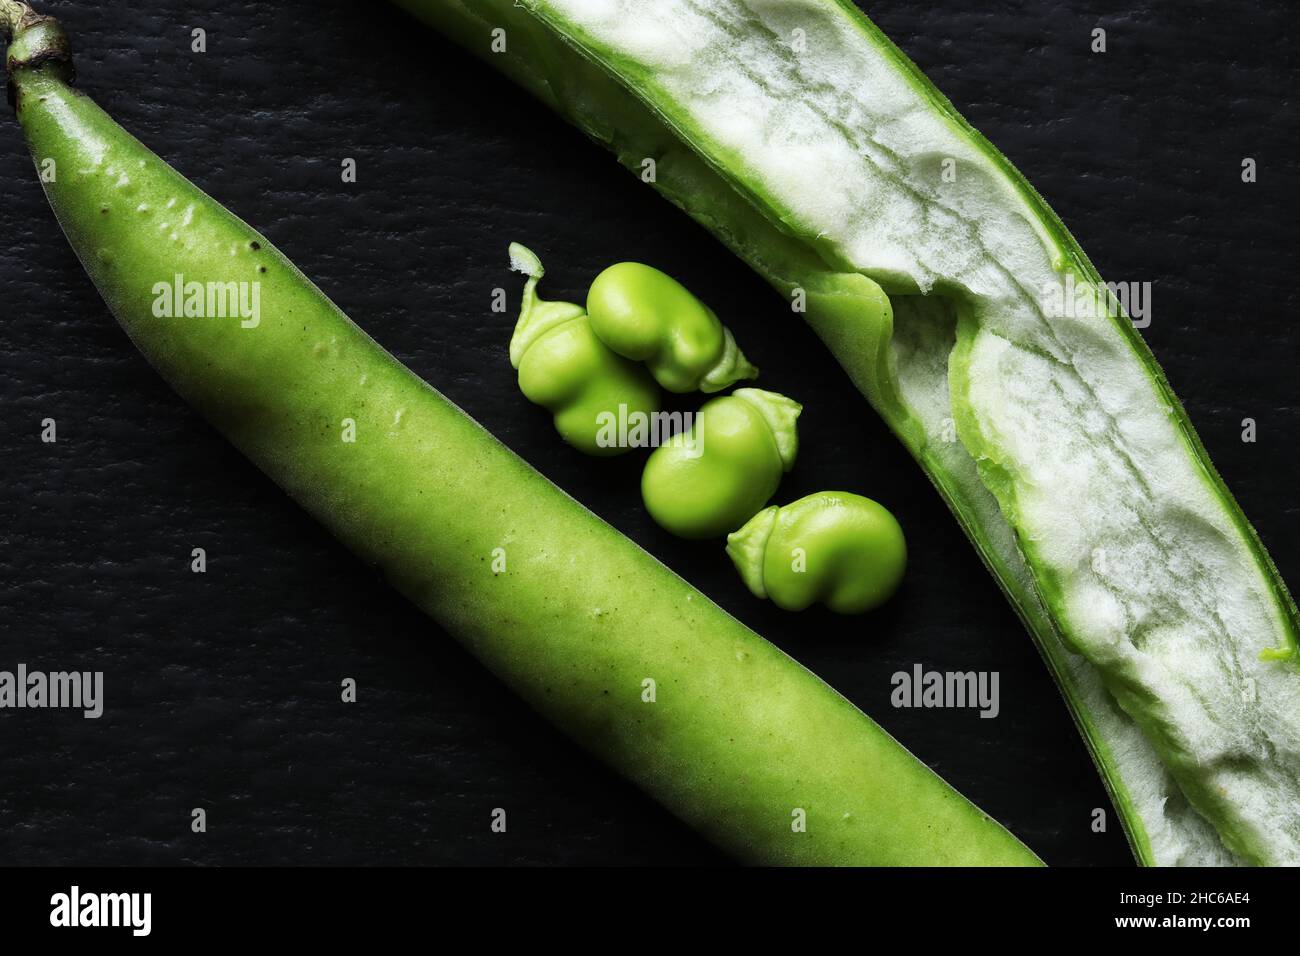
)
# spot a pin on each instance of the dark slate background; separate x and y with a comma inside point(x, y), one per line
point(223, 689)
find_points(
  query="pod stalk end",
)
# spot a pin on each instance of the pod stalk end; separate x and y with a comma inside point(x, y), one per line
point(34, 42)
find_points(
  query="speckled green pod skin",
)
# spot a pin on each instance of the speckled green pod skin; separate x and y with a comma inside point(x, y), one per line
point(739, 737)
point(834, 548)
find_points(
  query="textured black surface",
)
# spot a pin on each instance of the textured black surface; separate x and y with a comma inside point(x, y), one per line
point(223, 689)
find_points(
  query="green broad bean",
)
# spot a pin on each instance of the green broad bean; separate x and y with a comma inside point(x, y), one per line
point(710, 479)
point(648, 316)
point(566, 369)
point(841, 549)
